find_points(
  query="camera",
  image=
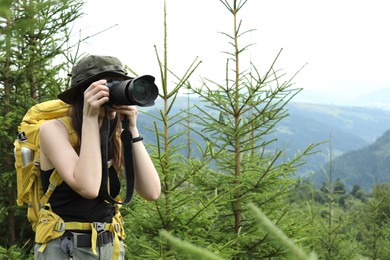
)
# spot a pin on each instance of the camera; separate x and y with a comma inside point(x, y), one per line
point(140, 91)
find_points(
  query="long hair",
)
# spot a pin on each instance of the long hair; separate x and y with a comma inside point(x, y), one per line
point(114, 147)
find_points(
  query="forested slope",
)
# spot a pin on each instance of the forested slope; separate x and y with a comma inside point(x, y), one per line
point(364, 167)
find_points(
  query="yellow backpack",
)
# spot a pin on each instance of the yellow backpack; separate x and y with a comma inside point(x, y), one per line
point(27, 162)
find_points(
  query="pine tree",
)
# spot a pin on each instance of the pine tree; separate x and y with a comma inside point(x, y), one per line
point(237, 116)
point(330, 241)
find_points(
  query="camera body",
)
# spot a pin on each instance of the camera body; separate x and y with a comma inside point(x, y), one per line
point(140, 91)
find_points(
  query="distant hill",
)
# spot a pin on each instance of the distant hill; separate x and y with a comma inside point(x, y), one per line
point(344, 128)
point(363, 167)
point(362, 122)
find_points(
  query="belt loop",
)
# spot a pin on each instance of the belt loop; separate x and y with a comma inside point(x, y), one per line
point(75, 239)
point(100, 239)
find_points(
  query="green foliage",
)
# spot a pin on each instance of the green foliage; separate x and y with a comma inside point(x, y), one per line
point(189, 249)
point(365, 167)
point(281, 238)
point(14, 253)
point(355, 229)
point(194, 252)
point(373, 215)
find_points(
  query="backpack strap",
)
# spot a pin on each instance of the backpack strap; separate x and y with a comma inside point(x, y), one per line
point(54, 181)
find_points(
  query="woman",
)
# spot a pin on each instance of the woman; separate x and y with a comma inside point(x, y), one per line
point(77, 198)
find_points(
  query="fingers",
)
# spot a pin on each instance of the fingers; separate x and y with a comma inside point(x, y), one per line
point(125, 108)
point(131, 112)
point(95, 96)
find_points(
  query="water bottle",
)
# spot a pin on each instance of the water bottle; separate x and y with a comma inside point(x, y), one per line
point(27, 155)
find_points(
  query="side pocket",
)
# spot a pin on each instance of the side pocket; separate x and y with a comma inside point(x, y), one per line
point(30, 191)
point(34, 205)
point(50, 226)
point(26, 176)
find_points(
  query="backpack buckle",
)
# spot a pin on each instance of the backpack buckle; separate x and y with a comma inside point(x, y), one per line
point(22, 137)
point(59, 226)
point(99, 226)
point(117, 227)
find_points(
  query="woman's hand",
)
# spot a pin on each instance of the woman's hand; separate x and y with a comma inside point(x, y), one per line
point(96, 95)
point(131, 112)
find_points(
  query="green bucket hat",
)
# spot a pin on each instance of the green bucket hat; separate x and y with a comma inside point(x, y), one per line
point(89, 69)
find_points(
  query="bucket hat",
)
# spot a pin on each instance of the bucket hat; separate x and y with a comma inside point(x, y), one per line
point(89, 69)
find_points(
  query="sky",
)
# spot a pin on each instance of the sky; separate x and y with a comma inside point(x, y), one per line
point(342, 45)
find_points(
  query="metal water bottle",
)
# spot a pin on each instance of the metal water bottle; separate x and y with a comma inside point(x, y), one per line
point(27, 155)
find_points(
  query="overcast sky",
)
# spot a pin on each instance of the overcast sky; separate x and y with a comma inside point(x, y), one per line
point(345, 43)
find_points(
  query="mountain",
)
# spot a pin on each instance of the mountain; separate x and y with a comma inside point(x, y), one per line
point(365, 167)
point(342, 129)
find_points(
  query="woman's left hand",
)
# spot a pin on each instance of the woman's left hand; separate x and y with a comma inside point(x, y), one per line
point(131, 112)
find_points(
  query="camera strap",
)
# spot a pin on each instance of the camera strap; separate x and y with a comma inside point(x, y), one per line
point(127, 149)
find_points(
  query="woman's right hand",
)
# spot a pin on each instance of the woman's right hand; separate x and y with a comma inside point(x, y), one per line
point(96, 95)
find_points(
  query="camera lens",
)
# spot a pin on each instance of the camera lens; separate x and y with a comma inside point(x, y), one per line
point(141, 89)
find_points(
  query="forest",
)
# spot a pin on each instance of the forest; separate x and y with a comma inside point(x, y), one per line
point(231, 194)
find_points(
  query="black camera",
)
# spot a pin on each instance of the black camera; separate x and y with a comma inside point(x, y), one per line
point(140, 91)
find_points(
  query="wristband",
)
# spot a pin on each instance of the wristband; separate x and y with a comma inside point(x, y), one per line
point(137, 139)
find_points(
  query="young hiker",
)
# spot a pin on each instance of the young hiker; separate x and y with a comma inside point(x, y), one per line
point(77, 200)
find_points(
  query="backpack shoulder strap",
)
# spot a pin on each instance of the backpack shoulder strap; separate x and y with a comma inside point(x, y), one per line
point(54, 181)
